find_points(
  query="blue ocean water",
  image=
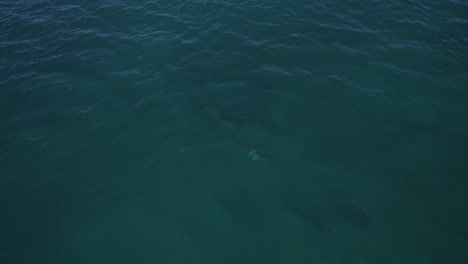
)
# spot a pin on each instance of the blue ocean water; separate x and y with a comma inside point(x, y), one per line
point(233, 131)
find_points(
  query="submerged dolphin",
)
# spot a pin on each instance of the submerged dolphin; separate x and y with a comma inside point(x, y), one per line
point(254, 151)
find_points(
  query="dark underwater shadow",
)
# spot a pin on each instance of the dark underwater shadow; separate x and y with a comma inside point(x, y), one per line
point(335, 210)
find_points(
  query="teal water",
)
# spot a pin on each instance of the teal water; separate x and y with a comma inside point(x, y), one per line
point(233, 131)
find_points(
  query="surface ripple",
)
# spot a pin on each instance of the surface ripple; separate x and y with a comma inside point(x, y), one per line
point(228, 131)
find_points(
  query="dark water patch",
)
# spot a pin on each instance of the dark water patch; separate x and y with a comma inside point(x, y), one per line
point(313, 216)
point(334, 210)
point(348, 212)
